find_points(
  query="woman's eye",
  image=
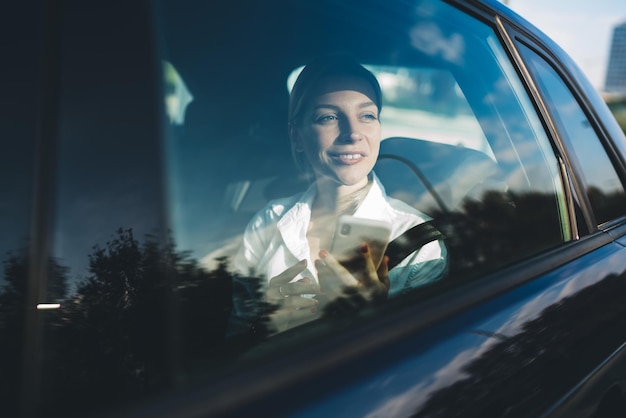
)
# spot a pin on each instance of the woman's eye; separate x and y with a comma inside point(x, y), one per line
point(326, 118)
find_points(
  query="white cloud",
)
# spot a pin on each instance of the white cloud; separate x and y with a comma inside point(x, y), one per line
point(582, 28)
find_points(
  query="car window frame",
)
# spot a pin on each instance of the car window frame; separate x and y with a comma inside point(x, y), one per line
point(571, 183)
point(562, 65)
point(586, 175)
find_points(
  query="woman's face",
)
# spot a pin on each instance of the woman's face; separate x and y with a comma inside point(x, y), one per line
point(340, 131)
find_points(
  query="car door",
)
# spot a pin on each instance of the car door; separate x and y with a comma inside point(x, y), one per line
point(533, 301)
point(166, 132)
point(593, 143)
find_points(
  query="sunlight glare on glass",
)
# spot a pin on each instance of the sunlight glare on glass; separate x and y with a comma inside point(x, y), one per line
point(177, 95)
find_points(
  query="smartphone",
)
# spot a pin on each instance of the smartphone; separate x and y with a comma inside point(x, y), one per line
point(350, 235)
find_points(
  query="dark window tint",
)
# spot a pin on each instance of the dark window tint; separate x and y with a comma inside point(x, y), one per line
point(461, 143)
point(137, 309)
point(602, 184)
point(20, 75)
point(108, 341)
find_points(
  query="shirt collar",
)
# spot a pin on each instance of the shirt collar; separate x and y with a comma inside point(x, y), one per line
point(295, 223)
point(374, 204)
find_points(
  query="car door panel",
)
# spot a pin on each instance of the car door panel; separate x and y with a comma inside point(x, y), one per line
point(541, 333)
point(519, 355)
point(600, 394)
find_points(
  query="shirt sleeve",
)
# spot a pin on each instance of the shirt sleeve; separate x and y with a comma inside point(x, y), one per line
point(421, 267)
point(247, 300)
point(250, 252)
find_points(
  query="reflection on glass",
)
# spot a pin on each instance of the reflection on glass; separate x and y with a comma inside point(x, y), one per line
point(603, 186)
point(177, 96)
point(425, 103)
point(19, 132)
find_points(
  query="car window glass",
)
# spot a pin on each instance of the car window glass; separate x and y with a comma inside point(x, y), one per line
point(602, 184)
point(105, 344)
point(161, 180)
point(424, 103)
point(461, 144)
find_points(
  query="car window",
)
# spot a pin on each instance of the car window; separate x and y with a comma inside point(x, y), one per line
point(104, 342)
point(461, 144)
point(424, 103)
point(169, 234)
point(603, 186)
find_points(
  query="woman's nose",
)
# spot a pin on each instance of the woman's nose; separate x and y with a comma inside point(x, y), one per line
point(350, 131)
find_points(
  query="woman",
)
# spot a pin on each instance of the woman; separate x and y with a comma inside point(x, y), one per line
point(335, 135)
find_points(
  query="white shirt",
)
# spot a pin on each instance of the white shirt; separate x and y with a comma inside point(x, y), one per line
point(275, 239)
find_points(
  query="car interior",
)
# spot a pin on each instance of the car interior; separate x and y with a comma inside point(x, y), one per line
point(231, 155)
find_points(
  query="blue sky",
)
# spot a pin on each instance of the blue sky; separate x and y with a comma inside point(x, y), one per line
point(583, 28)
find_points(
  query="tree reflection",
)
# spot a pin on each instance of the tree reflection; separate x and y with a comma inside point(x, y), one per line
point(148, 314)
point(12, 320)
point(497, 229)
point(545, 359)
point(110, 341)
point(12, 315)
point(118, 336)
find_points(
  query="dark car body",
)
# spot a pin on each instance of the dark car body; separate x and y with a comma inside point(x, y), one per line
point(99, 151)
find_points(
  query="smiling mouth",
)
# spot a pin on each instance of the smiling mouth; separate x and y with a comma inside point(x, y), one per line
point(348, 158)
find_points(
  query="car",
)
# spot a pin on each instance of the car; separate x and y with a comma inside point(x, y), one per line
point(140, 139)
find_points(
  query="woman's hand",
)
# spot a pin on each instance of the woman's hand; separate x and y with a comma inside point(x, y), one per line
point(291, 308)
point(342, 289)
